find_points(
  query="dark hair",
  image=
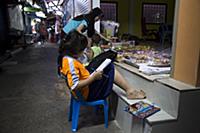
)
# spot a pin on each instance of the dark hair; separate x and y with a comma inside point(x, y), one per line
point(96, 12)
point(73, 43)
point(90, 19)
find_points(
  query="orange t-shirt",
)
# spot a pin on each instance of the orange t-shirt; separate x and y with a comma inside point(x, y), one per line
point(75, 72)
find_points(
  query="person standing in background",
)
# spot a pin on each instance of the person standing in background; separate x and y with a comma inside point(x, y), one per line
point(43, 32)
point(84, 24)
point(58, 29)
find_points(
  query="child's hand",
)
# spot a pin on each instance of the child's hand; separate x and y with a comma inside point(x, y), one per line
point(97, 75)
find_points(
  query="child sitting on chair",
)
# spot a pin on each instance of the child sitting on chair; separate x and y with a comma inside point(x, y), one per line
point(83, 85)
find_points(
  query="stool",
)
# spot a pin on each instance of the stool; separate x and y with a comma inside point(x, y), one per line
point(75, 107)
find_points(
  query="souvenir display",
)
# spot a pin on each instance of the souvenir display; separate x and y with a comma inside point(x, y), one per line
point(143, 55)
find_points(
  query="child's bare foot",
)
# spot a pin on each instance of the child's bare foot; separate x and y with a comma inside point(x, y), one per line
point(136, 94)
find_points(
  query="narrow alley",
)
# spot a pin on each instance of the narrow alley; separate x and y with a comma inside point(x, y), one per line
point(131, 66)
point(34, 100)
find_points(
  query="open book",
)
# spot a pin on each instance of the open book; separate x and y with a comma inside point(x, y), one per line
point(142, 109)
point(103, 65)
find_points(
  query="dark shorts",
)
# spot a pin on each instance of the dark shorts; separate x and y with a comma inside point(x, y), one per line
point(101, 89)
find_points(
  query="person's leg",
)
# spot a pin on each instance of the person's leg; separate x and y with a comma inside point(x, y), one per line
point(100, 89)
point(131, 92)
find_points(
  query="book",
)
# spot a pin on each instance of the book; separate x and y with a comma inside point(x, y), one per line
point(142, 109)
point(103, 65)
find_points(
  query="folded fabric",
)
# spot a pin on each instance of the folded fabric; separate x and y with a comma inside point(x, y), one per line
point(153, 70)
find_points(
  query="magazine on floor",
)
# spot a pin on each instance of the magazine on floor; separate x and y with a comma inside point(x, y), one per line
point(142, 109)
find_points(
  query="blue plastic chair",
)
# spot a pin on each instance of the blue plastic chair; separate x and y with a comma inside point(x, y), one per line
point(75, 107)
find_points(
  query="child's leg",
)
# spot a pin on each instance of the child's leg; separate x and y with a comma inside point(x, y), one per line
point(132, 93)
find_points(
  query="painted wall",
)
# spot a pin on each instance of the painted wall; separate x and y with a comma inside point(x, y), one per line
point(123, 17)
point(187, 56)
point(137, 13)
point(134, 8)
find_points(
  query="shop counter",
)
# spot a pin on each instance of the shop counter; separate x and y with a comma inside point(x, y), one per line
point(160, 89)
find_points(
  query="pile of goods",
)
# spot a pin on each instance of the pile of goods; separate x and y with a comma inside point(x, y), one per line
point(142, 54)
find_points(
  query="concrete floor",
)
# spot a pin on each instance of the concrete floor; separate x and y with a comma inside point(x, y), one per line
point(34, 100)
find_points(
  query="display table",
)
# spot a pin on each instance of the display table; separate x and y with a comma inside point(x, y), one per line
point(137, 72)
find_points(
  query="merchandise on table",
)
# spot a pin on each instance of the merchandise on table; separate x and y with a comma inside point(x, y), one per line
point(145, 56)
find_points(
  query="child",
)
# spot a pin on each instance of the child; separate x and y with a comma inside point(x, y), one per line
point(83, 85)
point(99, 45)
point(84, 22)
point(96, 49)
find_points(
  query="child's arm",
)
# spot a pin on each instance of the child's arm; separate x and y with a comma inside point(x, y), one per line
point(80, 28)
point(96, 76)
